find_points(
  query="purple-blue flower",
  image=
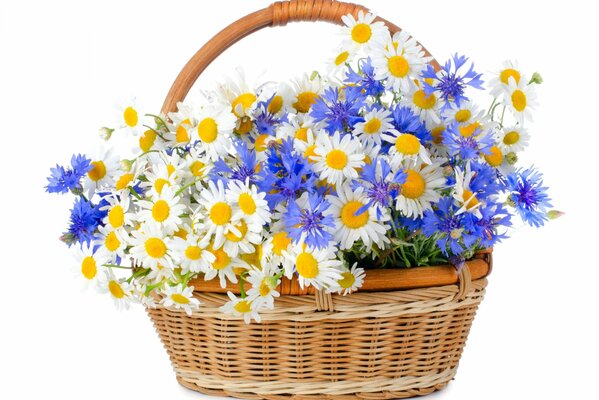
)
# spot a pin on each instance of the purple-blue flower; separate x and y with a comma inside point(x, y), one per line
point(455, 231)
point(380, 185)
point(339, 109)
point(84, 221)
point(467, 147)
point(363, 81)
point(308, 223)
point(528, 196)
point(63, 180)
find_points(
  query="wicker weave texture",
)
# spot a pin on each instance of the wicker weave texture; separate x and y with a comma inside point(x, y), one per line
point(372, 346)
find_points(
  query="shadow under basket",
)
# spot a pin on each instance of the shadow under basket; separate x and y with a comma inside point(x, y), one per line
point(401, 335)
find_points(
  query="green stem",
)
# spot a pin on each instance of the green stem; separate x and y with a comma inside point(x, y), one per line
point(116, 266)
point(135, 194)
point(241, 285)
point(502, 115)
point(155, 131)
point(187, 186)
point(492, 105)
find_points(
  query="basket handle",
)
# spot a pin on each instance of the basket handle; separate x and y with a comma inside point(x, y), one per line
point(277, 14)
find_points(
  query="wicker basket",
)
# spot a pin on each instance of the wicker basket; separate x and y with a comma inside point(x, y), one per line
point(400, 336)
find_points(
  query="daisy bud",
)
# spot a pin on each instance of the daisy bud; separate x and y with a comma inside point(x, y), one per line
point(105, 133)
point(314, 75)
point(555, 214)
point(536, 78)
point(511, 158)
point(126, 165)
point(77, 191)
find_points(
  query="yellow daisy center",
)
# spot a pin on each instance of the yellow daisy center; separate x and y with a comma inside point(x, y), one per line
point(341, 58)
point(116, 290)
point(407, 144)
point(302, 134)
point(280, 242)
point(305, 101)
point(469, 199)
point(245, 126)
point(519, 100)
point(220, 213)
point(463, 115)
point(130, 116)
point(146, 141)
point(437, 134)
point(306, 265)
point(181, 233)
point(193, 252)
point(207, 130)
point(264, 288)
point(159, 184)
point(336, 159)
point(260, 142)
point(468, 130)
point(349, 217)
point(371, 127)
point(155, 247)
point(508, 73)
point(310, 152)
point(98, 171)
point(196, 168)
point(511, 138)
point(398, 66)
point(495, 158)
point(170, 169)
point(179, 298)
point(243, 307)
point(221, 259)
point(275, 104)
point(414, 185)
point(423, 101)
point(116, 216)
point(123, 181)
point(112, 242)
point(89, 268)
point(247, 203)
point(254, 258)
point(242, 103)
point(347, 280)
point(160, 211)
point(181, 134)
point(361, 33)
point(242, 228)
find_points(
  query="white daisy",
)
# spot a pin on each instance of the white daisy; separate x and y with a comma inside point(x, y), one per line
point(151, 247)
point(337, 158)
point(279, 98)
point(465, 198)
point(219, 213)
point(223, 266)
point(130, 117)
point(120, 291)
point(399, 62)
point(150, 140)
point(215, 126)
point(503, 162)
point(423, 105)
point(337, 63)
point(180, 133)
point(420, 189)
point(197, 165)
point(513, 139)
point(520, 99)
point(264, 283)
point(307, 90)
point(241, 308)
point(276, 243)
point(164, 210)
point(113, 242)
point(352, 223)
point(376, 123)
point(351, 280)
point(500, 82)
point(239, 95)
point(248, 203)
point(180, 298)
point(89, 264)
point(192, 254)
point(242, 238)
point(159, 178)
point(101, 176)
point(406, 146)
point(315, 267)
point(466, 113)
point(117, 212)
point(363, 33)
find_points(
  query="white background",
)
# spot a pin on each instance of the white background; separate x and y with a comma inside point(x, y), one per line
point(64, 64)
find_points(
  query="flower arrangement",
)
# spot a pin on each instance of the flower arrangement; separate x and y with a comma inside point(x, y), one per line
point(382, 162)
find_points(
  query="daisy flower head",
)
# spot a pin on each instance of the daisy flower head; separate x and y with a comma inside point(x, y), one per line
point(219, 216)
point(351, 280)
point(264, 283)
point(462, 193)
point(150, 140)
point(399, 62)
point(337, 158)
point(180, 298)
point(112, 242)
point(90, 263)
point(307, 221)
point(520, 98)
point(279, 98)
point(406, 146)
point(241, 97)
point(131, 118)
point(164, 210)
point(242, 238)
point(197, 165)
point(307, 90)
point(249, 204)
point(214, 129)
point(339, 61)
point(355, 220)
point(224, 266)
point(101, 175)
point(528, 196)
point(119, 290)
point(277, 242)
point(192, 254)
point(159, 178)
point(513, 139)
point(128, 176)
point(363, 33)
point(376, 123)
point(466, 113)
point(314, 267)
point(420, 189)
point(425, 106)
point(500, 82)
point(64, 180)
point(151, 246)
point(242, 307)
point(180, 133)
point(117, 212)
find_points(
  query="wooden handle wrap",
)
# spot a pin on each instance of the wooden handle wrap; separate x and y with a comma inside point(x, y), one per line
point(277, 14)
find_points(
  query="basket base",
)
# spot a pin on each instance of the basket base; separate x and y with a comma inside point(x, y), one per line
point(190, 383)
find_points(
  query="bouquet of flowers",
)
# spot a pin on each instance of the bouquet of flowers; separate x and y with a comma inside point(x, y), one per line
point(381, 162)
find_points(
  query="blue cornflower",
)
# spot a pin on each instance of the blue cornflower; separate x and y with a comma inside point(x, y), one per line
point(265, 121)
point(244, 168)
point(451, 84)
point(405, 121)
point(63, 180)
point(306, 221)
point(363, 82)
point(529, 196)
point(84, 220)
point(467, 147)
point(455, 231)
point(338, 114)
point(381, 185)
point(485, 228)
